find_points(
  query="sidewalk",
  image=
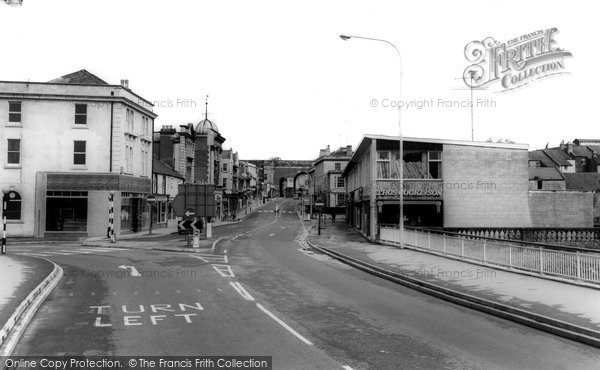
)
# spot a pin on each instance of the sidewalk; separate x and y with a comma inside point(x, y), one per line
point(19, 276)
point(571, 304)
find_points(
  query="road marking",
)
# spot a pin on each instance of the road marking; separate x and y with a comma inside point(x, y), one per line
point(240, 289)
point(347, 367)
point(60, 253)
point(286, 326)
point(36, 254)
point(93, 293)
point(157, 292)
point(208, 258)
point(178, 292)
point(271, 235)
point(75, 251)
point(134, 271)
point(71, 294)
point(223, 270)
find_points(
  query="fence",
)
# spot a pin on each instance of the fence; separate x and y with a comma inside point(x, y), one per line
point(572, 265)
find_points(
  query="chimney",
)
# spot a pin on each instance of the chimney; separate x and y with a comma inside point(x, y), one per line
point(348, 149)
point(165, 144)
point(125, 83)
point(562, 145)
point(570, 148)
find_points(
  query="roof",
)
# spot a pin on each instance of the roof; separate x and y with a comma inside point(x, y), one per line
point(81, 77)
point(587, 181)
point(594, 148)
point(545, 173)
point(543, 158)
point(162, 168)
point(582, 151)
point(558, 156)
point(364, 144)
point(586, 141)
point(203, 126)
point(226, 153)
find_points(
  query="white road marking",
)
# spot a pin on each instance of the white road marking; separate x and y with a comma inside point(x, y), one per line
point(240, 289)
point(178, 292)
point(135, 293)
point(75, 251)
point(93, 293)
point(36, 254)
point(223, 270)
point(157, 292)
point(134, 271)
point(59, 253)
point(286, 326)
point(210, 258)
point(198, 290)
point(71, 294)
point(271, 235)
point(347, 367)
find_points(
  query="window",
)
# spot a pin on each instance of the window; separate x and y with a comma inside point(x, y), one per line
point(224, 167)
point(340, 182)
point(13, 206)
point(338, 166)
point(14, 112)
point(383, 164)
point(129, 120)
point(435, 164)
point(81, 114)
point(341, 198)
point(79, 152)
point(14, 151)
point(129, 159)
point(224, 183)
point(540, 185)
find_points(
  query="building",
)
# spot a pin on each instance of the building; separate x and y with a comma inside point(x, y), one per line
point(177, 149)
point(327, 181)
point(165, 185)
point(582, 155)
point(67, 145)
point(455, 185)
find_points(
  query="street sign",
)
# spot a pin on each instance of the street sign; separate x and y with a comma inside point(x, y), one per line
point(194, 224)
point(189, 212)
point(199, 198)
point(151, 199)
point(319, 204)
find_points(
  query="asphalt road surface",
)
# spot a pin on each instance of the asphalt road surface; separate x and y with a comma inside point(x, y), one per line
point(260, 293)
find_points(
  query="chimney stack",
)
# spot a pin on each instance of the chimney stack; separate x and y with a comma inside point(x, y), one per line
point(348, 149)
point(125, 83)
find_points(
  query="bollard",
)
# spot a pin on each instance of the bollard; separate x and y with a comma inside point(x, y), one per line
point(209, 230)
point(196, 239)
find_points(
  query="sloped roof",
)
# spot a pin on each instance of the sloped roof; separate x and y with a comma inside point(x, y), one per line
point(545, 173)
point(539, 155)
point(81, 77)
point(558, 156)
point(582, 151)
point(594, 148)
point(162, 168)
point(589, 181)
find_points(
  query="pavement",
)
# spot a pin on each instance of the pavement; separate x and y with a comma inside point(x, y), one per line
point(19, 277)
point(538, 298)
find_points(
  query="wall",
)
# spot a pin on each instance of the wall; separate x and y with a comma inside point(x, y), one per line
point(561, 209)
point(548, 185)
point(485, 186)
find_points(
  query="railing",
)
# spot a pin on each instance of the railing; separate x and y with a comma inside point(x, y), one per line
point(576, 266)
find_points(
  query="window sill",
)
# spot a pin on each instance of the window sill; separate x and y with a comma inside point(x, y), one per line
point(80, 127)
point(13, 124)
point(15, 222)
point(12, 166)
point(79, 168)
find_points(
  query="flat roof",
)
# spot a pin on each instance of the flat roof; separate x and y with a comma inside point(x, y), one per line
point(362, 146)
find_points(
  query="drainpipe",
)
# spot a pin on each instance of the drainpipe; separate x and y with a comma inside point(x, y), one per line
point(111, 136)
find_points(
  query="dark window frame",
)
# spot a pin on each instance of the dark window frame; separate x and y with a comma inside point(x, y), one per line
point(15, 116)
point(79, 154)
point(15, 152)
point(81, 117)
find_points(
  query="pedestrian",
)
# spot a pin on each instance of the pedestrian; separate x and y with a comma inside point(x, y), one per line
point(333, 217)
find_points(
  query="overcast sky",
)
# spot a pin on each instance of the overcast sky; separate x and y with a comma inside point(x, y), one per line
point(281, 82)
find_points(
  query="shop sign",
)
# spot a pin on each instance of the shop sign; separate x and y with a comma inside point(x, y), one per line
point(411, 189)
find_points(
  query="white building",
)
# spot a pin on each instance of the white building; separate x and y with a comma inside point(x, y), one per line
point(65, 145)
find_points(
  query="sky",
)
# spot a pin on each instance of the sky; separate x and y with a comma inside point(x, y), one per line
point(281, 83)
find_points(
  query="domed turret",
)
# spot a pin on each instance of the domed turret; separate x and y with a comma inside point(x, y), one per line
point(205, 125)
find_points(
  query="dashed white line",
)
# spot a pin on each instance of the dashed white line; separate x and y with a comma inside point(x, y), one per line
point(347, 367)
point(240, 289)
point(286, 326)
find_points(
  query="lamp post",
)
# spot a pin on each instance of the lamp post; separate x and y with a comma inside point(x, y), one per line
point(401, 144)
point(4, 206)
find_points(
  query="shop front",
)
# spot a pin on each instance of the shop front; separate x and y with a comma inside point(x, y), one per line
point(422, 202)
point(80, 203)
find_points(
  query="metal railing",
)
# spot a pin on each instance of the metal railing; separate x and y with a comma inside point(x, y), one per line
point(571, 265)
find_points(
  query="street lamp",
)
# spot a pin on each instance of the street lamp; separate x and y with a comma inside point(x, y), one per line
point(401, 149)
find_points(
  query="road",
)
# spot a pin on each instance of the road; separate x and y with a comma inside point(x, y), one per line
point(261, 294)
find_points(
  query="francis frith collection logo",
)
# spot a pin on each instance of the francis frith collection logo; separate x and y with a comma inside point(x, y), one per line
point(514, 63)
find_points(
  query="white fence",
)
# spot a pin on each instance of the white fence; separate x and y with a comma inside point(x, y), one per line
point(578, 266)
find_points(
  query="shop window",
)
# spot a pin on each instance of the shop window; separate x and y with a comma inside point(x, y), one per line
point(66, 211)
point(14, 112)
point(79, 152)
point(435, 164)
point(14, 151)
point(13, 206)
point(81, 114)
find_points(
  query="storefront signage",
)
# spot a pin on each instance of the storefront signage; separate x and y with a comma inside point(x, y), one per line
point(411, 189)
point(97, 181)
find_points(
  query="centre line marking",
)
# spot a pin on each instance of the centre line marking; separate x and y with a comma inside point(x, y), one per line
point(286, 326)
point(240, 289)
